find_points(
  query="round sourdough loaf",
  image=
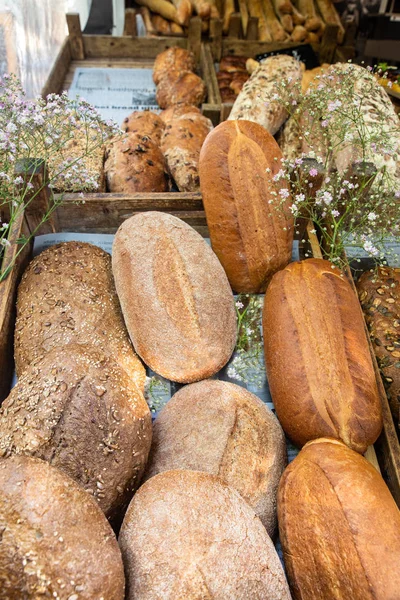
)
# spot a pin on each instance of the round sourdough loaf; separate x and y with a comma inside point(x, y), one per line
point(144, 123)
point(318, 361)
point(172, 59)
point(223, 429)
point(67, 295)
point(175, 297)
point(186, 535)
point(77, 409)
point(180, 87)
point(339, 526)
point(55, 541)
point(251, 227)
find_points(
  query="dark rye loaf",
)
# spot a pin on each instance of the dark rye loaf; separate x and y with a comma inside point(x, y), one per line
point(188, 536)
point(78, 410)
point(55, 541)
point(223, 429)
point(175, 297)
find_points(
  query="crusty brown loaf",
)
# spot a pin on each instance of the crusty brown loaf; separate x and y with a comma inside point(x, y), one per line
point(55, 541)
point(318, 361)
point(177, 110)
point(181, 144)
point(144, 123)
point(77, 409)
point(223, 429)
point(188, 536)
point(172, 59)
point(379, 293)
point(339, 526)
point(180, 87)
point(232, 63)
point(134, 163)
point(251, 237)
point(175, 297)
point(67, 295)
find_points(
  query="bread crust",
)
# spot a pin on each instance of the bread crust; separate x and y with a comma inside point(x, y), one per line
point(180, 87)
point(339, 526)
point(144, 123)
point(250, 236)
point(177, 59)
point(186, 535)
point(224, 430)
point(175, 297)
point(78, 410)
point(177, 110)
point(55, 540)
point(317, 357)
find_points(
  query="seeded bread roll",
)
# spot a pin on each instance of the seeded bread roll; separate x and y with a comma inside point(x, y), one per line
point(180, 87)
point(78, 410)
point(379, 293)
point(175, 297)
point(135, 163)
point(186, 535)
point(67, 295)
point(144, 123)
point(178, 110)
point(317, 356)
point(251, 236)
point(339, 526)
point(177, 59)
point(55, 541)
point(223, 429)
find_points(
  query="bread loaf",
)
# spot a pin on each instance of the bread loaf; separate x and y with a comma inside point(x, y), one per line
point(78, 410)
point(186, 535)
point(318, 361)
point(55, 541)
point(379, 294)
point(223, 429)
point(177, 59)
point(289, 140)
point(175, 297)
point(339, 526)
point(144, 123)
point(134, 163)
point(178, 110)
point(250, 235)
point(181, 144)
point(180, 87)
point(255, 103)
point(67, 296)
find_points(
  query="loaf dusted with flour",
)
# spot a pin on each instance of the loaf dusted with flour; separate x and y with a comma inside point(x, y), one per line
point(318, 361)
point(67, 295)
point(55, 541)
point(77, 409)
point(250, 223)
point(175, 297)
point(339, 526)
point(223, 429)
point(186, 535)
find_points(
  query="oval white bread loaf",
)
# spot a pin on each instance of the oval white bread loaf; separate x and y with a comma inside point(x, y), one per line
point(77, 409)
point(251, 227)
point(186, 535)
point(175, 297)
point(223, 429)
point(55, 541)
point(318, 361)
point(339, 526)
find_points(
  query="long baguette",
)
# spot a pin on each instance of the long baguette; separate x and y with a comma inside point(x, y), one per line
point(331, 17)
point(277, 32)
point(184, 10)
point(287, 23)
point(298, 18)
point(307, 9)
point(145, 13)
point(160, 24)
point(229, 9)
point(161, 7)
point(202, 8)
point(255, 10)
point(175, 28)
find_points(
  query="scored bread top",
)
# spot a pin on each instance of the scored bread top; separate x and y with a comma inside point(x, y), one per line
point(67, 295)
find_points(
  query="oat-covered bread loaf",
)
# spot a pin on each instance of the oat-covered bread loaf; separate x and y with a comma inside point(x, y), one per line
point(379, 293)
point(339, 526)
point(67, 295)
point(318, 361)
point(144, 123)
point(180, 87)
point(251, 236)
point(55, 541)
point(186, 535)
point(223, 429)
point(177, 110)
point(181, 144)
point(175, 297)
point(77, 409)
point(134, 163)
point(172, 59)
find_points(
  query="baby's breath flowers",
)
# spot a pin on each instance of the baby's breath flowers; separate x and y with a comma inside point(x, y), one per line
point(347, 177)
point(43, 129)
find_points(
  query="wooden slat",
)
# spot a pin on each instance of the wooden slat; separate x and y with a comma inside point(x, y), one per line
point(106, 46)
point(75, 36)
point(55, 80)
point(235, 26)
point(216, 38)
point(383, 49)
point(130, 22)
point(252, 48)
point(194, 37)
point(252, 28)
point(37, 200)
